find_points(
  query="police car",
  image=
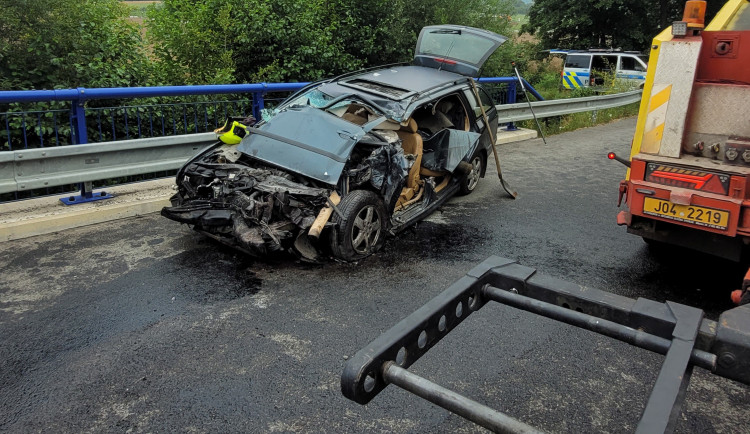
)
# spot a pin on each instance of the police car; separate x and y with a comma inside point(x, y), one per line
point(588, 68)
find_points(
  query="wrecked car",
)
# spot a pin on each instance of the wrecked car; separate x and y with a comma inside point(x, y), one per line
point(344, 162)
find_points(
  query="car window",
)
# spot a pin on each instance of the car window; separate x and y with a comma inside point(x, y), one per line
point(469, 94)
point(459, 49)
point(486, 99)
point(471, 48)
point(631, 64)
point(604, 63)
point(474, 107)
point(314, 98)
point(577, 61)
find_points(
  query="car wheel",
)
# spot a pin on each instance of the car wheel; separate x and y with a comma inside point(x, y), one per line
point(471, 180)
point(360, 229)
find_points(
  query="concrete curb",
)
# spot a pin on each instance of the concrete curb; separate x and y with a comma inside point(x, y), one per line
point(505, 136)
point(46, 215)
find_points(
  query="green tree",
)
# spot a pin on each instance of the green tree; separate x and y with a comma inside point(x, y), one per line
point(626, 24)
point(191, 41)
point(47, 44)
point(219, 41)
point(291, 40)
point(208, 41)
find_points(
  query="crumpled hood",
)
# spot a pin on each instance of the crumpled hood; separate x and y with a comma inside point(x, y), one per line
point(304, 140)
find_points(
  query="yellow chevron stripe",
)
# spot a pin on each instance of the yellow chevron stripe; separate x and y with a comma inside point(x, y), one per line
point(660, 98)
point(655, 118)
point(652, 138)
point(636, 148)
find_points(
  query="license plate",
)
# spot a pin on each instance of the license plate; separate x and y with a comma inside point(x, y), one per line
point(696, 215)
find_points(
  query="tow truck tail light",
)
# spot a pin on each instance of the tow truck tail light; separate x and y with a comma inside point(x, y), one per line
point(687, 178)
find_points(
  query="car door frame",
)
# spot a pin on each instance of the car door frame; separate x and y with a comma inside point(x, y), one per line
point(476, 120)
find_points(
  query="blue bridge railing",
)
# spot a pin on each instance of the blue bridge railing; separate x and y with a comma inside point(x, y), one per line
point(44, 118)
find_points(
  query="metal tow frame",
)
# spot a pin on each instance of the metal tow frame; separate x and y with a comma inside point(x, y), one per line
point(679, 332)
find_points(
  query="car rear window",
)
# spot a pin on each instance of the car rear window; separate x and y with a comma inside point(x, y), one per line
point(577, 61)
point(465, 46)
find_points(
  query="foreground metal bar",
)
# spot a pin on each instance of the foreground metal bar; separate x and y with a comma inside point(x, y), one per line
point(680, 332)
point(669, 390)
point(667, 396)
point(605, 327)
point(452, 401)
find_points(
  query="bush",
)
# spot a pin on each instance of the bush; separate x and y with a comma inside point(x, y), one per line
point(53, 44)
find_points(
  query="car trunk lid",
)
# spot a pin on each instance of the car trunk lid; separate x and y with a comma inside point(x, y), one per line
point(458, 49)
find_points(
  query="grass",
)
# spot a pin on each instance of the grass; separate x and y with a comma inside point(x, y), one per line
point(138, 8)
point(518, 20)
point(576, 121)
point(548, 85)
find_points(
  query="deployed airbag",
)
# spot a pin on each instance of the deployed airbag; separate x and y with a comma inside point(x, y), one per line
point(443, 151)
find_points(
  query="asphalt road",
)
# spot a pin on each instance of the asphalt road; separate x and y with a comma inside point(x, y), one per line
point(142, 325)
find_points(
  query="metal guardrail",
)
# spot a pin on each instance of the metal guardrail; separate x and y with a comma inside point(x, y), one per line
point(78, 98)
point(34, 127)
point(49, 167)
point(543, 109)
point(30, 169)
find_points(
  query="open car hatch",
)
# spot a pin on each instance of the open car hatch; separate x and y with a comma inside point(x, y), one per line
point(458, 49)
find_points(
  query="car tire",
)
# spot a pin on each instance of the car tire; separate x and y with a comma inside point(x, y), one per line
point(361, 228)
point(469, 182)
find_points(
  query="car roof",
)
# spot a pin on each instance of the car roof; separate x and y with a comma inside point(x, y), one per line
point(401, 81)
point(598, 52)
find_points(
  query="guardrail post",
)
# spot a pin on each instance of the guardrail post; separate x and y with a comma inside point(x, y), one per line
point(80, 136)
point(258, 103)
point(511, 99)
point(78, 120)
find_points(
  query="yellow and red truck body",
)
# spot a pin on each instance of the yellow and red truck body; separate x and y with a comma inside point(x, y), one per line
point(689, 178)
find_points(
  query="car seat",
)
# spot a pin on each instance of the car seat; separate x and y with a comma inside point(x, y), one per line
point(412, 144)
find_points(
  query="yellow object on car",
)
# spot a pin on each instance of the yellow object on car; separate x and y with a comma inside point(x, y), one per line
point(234, 130)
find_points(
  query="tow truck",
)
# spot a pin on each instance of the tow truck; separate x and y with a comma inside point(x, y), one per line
point(688, 177)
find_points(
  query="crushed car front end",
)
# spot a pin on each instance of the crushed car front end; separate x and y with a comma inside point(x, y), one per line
point(276, 190)
point(244, 203)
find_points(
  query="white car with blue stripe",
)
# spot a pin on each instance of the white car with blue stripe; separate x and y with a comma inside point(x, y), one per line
point(588, 68)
